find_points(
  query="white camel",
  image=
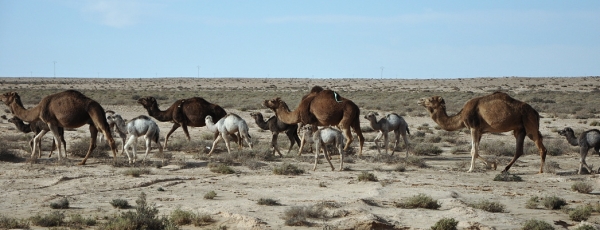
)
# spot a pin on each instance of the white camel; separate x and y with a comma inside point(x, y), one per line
point(322, 137)
point(112, 124)
point(230, 124)
point(141, 125)
point(391, 122)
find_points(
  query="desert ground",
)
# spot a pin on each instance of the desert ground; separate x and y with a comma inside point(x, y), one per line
point(181, 177)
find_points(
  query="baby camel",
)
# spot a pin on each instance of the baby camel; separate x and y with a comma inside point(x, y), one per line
point(275, 125)
point(141, 125)
point(113, 128)
point(391, 122)
point(36, 127)
point(230, 124)
point(322, 137)
point(588, 139)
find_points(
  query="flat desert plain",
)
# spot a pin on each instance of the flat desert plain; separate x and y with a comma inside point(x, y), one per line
point(180, 178)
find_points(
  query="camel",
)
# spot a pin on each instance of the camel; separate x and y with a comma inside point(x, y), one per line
point(136, 127)
point(391, 122)
point(228, 125)
point(185, 112)
point(114, 129)
point(587, 140)
point(68, 109)
point(322, 108)
point(275, 125)
point(322, 137)
point(36, 127)
point(493, 113)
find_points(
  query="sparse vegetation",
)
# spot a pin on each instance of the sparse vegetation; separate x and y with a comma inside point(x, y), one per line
point(581, 213)
point(532, 203)
point(12, 223)
point(210, 195)
point(268, 202)
point(537, 225)
point(287, 169)
point(366, 176)
point(582, 187)
point(120, 203)
point(554, 202)
point(507, 177)
point(422, 149)
point(419, 201)
point(220, 168)
point(144, 217)
point(61, 204)
point(445, 224)
point(488, 206)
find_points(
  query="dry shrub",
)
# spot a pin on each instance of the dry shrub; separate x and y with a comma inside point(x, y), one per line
point(582, 187)
point(419, 201)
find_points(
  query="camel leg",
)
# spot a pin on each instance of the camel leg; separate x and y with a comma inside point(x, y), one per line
point(386, 141)
point(148, 145)
point(302, 143)
point(214, 144)
point(475, 139)
point(294, 139)
point(185, 131)
point(175, 127)
point(520, 138)
point(318, 148)
point(339, 145)
point(327, 155)
point(539, 143)
point(349, 138)
point(93, 135)
point(376, 140)
point(131, 140)
point(583, 151)
point(226, 140)
point(397, 138)
point(36, 140)
point(361, 138)
point(405, 137)
point(274, 144)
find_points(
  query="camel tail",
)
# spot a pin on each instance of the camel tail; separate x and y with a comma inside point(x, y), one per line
point(407, 130)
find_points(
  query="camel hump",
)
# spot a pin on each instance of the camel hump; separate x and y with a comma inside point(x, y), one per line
point(316, 89)
point(142, 117)
point(233, 115)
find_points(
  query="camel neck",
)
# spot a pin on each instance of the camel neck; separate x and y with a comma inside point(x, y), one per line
point(27, 115)
point(572, 139)
point(23, 127)
point(448, 123)
point(160, 115)
point(261, 123)
point(284, 114)
point(374, 124)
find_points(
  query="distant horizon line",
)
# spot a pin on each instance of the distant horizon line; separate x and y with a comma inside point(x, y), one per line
point(307, 78)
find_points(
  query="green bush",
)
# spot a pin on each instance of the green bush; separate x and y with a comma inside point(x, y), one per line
point(11, 223)
point(488, 206)
point(582, 187)
point(287, 169)
point(367, 176)
point(144, 217)
point(532, 203)
point(210, 195)
point(580, 213)
point(507, 177)
point(220, 168)
point(419, 201)
point(554, 202)
point(268, 202)
point(422, 149)
point(296, 216)
point(61, 204)
point(120, 203)
point(445, 224)
point(53, 219)
point(537, 225)
point(180, 217)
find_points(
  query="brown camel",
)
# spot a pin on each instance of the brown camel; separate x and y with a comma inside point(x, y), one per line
point(494, 113)
point(184, 113)
point(322, 108)
point(68, 109)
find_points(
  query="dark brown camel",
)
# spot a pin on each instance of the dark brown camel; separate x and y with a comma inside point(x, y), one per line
point(275, 125)
point(68, 109)
point(494, 113)
point(184, 113)
point(322, 108)
point(36, 127)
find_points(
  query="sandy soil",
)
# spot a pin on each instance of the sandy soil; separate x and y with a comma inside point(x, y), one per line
point(28, 189)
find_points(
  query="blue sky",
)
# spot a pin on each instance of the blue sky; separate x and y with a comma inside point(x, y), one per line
point(299, 39)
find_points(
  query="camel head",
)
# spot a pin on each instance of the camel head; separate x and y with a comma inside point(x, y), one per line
point(566, 132)
point(371, 115)
point(208, 118)
point(433, 103)
point(15, 120)
point(10, 97)
point(147, 102)
point(274, 104)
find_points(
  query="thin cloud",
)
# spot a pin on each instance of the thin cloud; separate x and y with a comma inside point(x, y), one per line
point(117, 14)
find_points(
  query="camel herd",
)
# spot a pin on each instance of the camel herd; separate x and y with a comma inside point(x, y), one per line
point(497, 112)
